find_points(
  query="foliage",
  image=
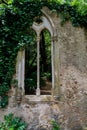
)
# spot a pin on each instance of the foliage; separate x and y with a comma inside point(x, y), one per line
point(31, 83)
point(12, 123)
point(48, 75)
point(3, 101)
point(55, 125)
point(16, 18)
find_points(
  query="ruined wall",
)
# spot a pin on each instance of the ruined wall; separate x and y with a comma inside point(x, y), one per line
point(70, 109)
point(72, 43)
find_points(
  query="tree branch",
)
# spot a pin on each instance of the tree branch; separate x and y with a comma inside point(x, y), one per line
point(2, 1)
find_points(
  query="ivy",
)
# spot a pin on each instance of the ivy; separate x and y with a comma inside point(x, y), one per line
point(16, 18)
point(12, 123)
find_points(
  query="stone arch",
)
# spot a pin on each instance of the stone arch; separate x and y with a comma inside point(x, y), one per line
point(47, 23)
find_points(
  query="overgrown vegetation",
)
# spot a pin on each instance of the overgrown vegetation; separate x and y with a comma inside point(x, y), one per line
point(55, 125)
point(16, 18)
point(12, 123)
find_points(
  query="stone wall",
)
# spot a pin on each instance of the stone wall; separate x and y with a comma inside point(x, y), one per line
point(73, 75)
point(37, 114)
point(70, 108)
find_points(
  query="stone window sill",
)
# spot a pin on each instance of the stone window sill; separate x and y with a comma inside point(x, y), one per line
point(40, 98)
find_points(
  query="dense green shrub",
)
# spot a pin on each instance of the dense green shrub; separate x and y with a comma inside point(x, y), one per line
point(16, 18)
point(12, 123)
point(55, 125)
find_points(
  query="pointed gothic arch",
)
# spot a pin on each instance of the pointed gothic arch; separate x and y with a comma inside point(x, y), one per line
point(48, 24)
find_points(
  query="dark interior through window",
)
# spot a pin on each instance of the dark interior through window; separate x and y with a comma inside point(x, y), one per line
point(45, 64)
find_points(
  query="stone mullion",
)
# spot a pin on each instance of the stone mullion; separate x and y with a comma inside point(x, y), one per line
point(38, 66)
point(56, 84)
point(52, 63)
point(19, 69)
point(23, 71)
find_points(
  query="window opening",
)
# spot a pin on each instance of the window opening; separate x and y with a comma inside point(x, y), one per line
point(31, 66)
point(45, 74)
point(45, 63)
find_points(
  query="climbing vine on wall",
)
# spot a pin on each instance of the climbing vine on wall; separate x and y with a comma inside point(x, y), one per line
point(16, 18)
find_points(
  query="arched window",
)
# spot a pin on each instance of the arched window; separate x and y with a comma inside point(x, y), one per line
point(35, 64)
point(45, 66)
point(45, 63)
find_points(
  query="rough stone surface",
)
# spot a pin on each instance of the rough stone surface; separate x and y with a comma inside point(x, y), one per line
point(38, 115)
point(73, 76)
